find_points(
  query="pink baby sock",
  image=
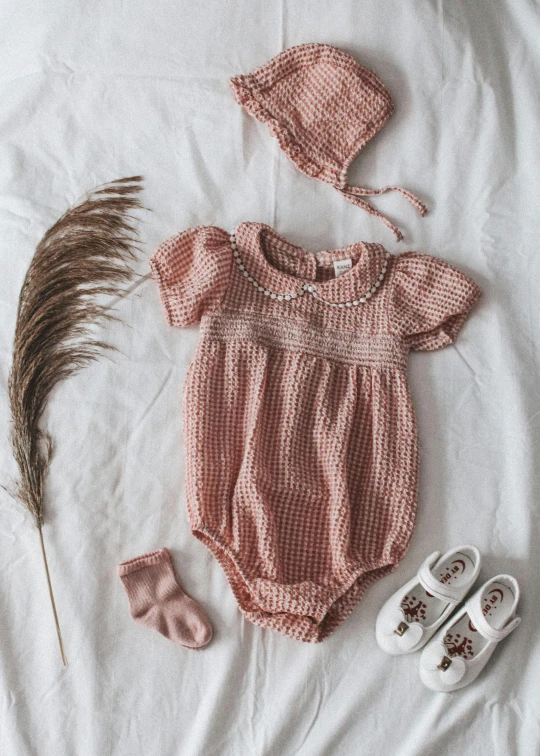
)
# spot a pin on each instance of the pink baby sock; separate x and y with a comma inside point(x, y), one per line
point(157, 601)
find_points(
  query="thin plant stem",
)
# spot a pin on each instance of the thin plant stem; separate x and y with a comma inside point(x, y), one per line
point(51, 594)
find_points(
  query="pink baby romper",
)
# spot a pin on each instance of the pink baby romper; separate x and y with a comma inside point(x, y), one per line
point(300, 435)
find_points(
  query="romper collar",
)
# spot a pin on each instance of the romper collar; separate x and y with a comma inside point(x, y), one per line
point(284, 268)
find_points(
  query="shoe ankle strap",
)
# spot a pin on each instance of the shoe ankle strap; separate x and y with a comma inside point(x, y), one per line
point(474, 610)
point(430, 583)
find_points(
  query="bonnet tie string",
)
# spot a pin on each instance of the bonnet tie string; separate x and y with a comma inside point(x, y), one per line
point(354, 193)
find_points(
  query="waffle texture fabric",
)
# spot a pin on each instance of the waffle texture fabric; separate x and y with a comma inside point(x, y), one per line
point(300, 435)
point(323, 107)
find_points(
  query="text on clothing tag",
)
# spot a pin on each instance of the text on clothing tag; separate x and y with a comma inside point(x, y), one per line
point(342, 266)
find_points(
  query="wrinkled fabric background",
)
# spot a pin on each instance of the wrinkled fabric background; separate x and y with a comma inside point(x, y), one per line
point(91, 91)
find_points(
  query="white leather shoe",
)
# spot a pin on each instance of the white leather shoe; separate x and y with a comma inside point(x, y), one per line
point(416, 611)
point(463, 647)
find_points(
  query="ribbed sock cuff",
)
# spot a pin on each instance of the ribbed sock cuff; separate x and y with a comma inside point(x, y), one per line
point(145, 560)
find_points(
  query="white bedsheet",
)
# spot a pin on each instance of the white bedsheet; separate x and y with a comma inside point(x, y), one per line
point(91, 91)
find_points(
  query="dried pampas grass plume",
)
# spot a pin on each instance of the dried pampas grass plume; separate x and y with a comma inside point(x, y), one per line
point(82, 257)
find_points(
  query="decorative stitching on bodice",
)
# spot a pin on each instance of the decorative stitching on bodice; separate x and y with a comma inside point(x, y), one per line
point(371, 350)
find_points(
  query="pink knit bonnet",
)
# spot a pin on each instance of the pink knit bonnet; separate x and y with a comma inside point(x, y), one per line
point(323, 107)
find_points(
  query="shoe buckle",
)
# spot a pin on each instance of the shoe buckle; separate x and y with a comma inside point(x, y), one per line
point(445, 663)
point(401, 628)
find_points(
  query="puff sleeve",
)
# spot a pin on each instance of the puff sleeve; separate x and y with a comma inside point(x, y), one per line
point(430, 301)
point(191, 270)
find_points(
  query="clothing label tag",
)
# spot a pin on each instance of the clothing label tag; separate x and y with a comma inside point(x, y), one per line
point(342, 266)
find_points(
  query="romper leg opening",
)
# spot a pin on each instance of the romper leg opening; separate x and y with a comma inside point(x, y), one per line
point(311, 626)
